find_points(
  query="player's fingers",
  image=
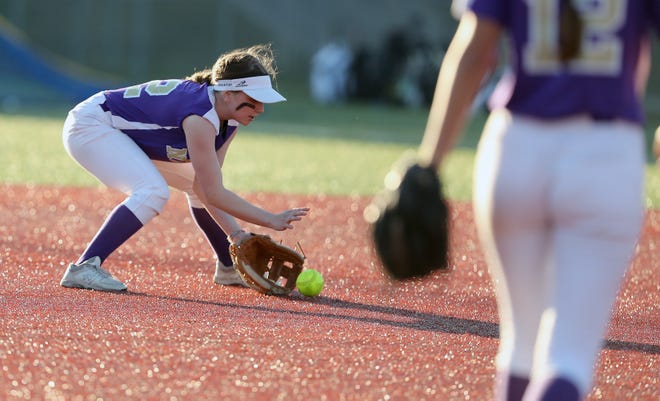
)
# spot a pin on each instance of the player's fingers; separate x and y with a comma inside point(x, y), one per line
point(294, 218)
point(290, 216)
point(300, 211)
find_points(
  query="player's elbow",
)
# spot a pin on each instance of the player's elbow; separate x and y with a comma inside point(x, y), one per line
point(201, 191)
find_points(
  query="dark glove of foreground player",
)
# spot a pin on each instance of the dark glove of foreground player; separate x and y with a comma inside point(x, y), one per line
point(409, 223)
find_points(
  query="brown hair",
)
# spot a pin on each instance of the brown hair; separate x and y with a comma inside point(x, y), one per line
point(240, 63)
point(570, 31)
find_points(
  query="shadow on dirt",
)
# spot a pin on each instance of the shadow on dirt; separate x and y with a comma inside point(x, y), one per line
point(392, 316)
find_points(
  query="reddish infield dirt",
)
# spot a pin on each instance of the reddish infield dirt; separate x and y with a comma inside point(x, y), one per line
point(176, 336)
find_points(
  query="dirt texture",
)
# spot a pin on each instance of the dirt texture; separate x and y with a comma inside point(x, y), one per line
point(174, 335)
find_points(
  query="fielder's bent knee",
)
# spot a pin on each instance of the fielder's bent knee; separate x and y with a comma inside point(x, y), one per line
point(147, 203)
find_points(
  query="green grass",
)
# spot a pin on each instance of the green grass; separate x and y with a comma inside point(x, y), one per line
point(296, 147)
point(298, 164)
point(33, 152)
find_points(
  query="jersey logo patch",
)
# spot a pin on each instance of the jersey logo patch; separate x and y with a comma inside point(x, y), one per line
point(177, 155)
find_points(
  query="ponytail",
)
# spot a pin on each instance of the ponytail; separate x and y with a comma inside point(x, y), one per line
point(253, 61)
point(570, 31)
point(201, 77)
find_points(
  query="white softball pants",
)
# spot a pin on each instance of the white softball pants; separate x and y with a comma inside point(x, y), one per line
point(113, 158)
point(558, 207)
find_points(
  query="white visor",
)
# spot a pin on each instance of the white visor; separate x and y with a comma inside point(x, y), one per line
point(258, 88)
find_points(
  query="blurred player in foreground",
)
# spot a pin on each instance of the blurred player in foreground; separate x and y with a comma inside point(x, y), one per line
point(656, 146)
point(144, 138)
point(559, 175)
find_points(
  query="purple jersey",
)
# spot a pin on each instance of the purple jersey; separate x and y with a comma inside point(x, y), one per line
point(600, 83)
point(152, 113)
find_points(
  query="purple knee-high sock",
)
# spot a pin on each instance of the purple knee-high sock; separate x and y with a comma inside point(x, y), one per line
point(561, 389)
point(120, 225)
point(515, 388)
point(214, 234)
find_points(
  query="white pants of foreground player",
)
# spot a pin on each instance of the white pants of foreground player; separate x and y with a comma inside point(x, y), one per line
point(558, 207)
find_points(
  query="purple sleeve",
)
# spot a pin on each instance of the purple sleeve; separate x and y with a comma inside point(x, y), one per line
point(494, 10)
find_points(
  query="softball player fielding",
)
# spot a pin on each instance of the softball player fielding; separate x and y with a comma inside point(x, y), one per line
point(143, 139)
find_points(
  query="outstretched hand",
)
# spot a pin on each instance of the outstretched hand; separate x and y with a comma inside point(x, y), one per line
point(283, 220)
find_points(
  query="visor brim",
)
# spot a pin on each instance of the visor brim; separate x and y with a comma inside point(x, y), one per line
point(265, 95)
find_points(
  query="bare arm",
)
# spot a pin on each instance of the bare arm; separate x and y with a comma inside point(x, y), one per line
point(643, 68)
point(224, 219)
point(200, 137)
point(228, 223)
point(656, 146)
point(468, 60)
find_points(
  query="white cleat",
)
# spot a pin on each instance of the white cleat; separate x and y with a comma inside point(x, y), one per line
point(227, 275)
point(91, 276)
